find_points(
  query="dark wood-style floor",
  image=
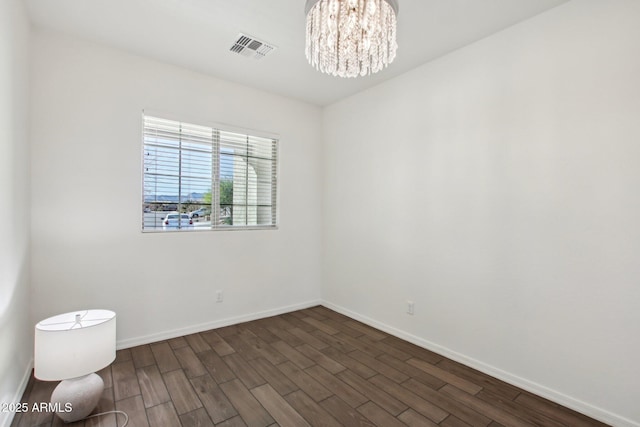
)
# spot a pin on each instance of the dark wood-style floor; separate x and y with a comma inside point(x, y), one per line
point(310, 367)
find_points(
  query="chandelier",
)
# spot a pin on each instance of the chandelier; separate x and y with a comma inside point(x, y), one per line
point(350, 38)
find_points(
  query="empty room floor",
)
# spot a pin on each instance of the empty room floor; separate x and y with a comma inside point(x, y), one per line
point(309, 367)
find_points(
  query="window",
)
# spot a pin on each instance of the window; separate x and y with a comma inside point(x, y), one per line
point(215, 178)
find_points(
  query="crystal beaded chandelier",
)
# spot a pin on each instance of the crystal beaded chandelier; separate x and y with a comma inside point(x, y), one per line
point(350, 38)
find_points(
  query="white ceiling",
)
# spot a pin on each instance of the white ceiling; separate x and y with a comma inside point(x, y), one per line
point(197, 34)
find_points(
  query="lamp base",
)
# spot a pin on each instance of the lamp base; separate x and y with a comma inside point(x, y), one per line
point(77, 397)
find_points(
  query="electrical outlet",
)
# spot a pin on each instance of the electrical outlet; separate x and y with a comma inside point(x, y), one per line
point(410, 307)
point(219, 296)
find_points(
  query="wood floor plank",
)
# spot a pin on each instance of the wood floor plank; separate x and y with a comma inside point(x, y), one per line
point(413, 350)
point(318, 324)
point(379, 366)
point(323, 311)
point(251, 411)
point(259, 327)
point(468, 415)
point(163, 415)
point(340, 326)
point(367, 330)
point(379, 416)
point(190, 363)
point(358, 344)
point(483, 407)
point(274, 376)
point(308, 338)
point(165, 359)
point(216, 366)
point(286, 336)
point(305, 382)
point(142, 356)
point(335, 342)
point(261, 348)
point(293, 355)
point(217, 343)
point(284, 414)
point(321, 359)
point(233, 422)
point(242, 346)
point(177, 342)
point(330, 314)
point(197, 418)
point(446, 376)
point(515, 408)
point(310, 410)
point(311, 312)
point(414, 419)
point(154, 392)
point(181, 391)
point(229, 330)
point(413, 400)
point(359, 368)
point(213, 399)
point(135, 409)
point(125, 381)
point(197, 343)
point(453, 421)
point(341, 389)
point(381, 397)
point(243, 370)
point(385, 348)
point(279, 322)
point(295, 320)
point(412, 371)
point(123, 355)
point(554, 411)
point(345, 414)
point(494, 385)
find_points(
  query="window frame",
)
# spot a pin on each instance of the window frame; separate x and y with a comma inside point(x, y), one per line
point(214, 206)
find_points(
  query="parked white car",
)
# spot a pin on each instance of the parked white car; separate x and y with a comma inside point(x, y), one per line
point(175, 220)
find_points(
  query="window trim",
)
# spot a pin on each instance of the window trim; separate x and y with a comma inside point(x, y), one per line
point(217, 127)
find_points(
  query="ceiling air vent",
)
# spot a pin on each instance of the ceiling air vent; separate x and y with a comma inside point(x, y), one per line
point(251, 47)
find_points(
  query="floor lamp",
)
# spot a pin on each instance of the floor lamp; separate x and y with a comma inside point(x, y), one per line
point(71, 347)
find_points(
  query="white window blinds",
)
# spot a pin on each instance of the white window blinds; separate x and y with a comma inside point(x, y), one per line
point(220, 179)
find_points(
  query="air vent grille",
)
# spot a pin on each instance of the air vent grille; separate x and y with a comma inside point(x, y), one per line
point(251, 47)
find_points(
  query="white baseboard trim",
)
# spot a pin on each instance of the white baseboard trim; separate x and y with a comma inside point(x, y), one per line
point(174, 333)
point(7, 417)
point(535, 388)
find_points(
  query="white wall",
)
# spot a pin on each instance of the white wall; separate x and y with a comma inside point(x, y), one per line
point(15, 329)
point(497, 188)
point(88, 250)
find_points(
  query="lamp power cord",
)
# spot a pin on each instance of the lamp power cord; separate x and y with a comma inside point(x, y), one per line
point(126, 417)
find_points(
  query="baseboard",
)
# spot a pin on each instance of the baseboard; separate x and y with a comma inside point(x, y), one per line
point(7, 418)
point(174, 333)
point(535, 388)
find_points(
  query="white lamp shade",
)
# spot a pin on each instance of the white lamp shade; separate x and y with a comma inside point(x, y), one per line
point(74, 344)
